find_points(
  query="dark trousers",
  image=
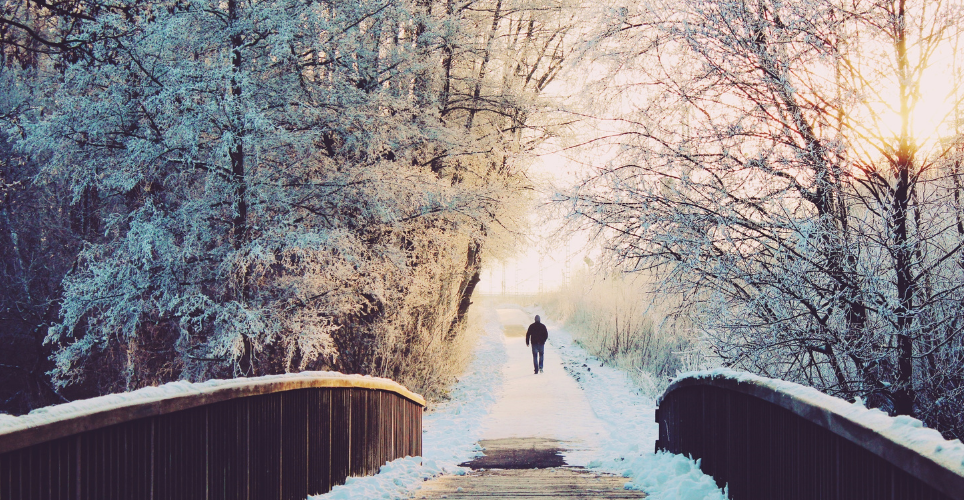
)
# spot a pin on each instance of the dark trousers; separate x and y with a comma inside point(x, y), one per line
point(538, 354)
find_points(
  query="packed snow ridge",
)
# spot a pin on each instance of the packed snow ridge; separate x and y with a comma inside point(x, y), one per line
point(902, 429)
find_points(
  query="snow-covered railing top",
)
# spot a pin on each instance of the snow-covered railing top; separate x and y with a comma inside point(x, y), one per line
point(902, 441)
point(53, 422)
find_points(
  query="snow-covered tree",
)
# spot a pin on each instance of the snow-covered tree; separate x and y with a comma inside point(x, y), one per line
point(273, 186)
point(756, 171)
point(40, 229)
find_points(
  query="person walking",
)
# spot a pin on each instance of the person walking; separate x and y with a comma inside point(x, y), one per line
point(539, 335)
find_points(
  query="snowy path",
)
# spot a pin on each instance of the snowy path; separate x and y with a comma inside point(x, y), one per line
point(595, 409)
point(549, 404)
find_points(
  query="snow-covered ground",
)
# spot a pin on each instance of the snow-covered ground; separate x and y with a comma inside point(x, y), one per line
point(596, 409)
point(549, 405)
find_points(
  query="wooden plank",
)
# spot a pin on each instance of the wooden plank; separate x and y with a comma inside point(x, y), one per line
point(504, 484)
point(319, 441)
point(294, 452)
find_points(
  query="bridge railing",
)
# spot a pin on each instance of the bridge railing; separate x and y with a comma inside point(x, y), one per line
point(265, 438)
point(771, 439)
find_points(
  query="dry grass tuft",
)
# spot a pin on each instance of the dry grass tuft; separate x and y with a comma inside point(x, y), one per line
point(617, 319)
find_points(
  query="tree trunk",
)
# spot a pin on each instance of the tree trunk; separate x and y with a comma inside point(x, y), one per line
point(447, 54)
point(240, 220)
point(477, 92)
point(903, 162)
point(470, 279)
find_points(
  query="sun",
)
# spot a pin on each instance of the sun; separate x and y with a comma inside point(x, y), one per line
point(933, 115)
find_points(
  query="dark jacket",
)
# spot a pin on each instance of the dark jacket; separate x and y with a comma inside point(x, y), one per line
point(538, 333)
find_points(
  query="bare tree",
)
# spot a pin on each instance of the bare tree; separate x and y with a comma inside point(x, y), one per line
point(811, 241)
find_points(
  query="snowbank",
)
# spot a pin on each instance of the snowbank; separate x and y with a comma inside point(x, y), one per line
point(902, 429)
point(630, 417)
point(393, 479)
point(450, 430)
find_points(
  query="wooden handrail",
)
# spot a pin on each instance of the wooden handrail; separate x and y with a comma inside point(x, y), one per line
point(735, 422)
point(264, 438)
point(103, 411)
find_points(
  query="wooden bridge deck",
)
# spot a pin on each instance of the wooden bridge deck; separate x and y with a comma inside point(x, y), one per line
point(526, 469)
point(512, 484)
